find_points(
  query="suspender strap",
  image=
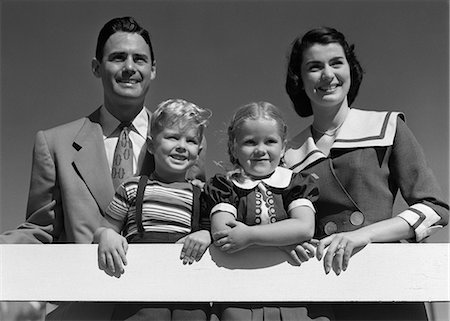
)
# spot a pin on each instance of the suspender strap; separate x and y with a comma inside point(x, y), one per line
point(195, 218)
point(139, 201)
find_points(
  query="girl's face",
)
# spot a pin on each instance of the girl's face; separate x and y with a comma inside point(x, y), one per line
point(259, 146)
point(326, 75)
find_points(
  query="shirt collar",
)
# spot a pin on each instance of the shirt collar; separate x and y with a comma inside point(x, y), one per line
point(361, 128)
point(109, 123)
point(281, 178)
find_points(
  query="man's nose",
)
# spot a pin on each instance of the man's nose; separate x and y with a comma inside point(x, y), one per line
point(129, 67)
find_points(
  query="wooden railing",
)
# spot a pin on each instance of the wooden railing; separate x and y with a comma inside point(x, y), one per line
point(380, 272)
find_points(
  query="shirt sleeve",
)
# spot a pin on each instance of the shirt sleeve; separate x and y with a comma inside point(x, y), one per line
point(302, 191)
point(427, 211)
point(220, 196)
point(121, 203)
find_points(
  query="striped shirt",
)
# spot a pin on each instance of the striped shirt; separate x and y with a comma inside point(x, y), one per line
point(167, 207)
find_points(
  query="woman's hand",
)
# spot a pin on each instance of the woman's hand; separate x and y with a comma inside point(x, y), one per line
point(112, 250)
point(237, 238)
point(301, 253)
point(194, 246)
point(340, 247)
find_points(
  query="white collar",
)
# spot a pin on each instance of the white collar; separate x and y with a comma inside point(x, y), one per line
point(109, 123)
point(361, 128)
point(281, 178)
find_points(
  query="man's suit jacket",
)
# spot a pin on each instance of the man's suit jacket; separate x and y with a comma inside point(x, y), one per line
point(70, 186)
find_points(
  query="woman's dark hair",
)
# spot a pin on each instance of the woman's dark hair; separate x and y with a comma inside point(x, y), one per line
point(294, 83)
point(124, 24)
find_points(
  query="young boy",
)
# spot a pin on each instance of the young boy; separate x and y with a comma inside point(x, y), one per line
point(167, 210)
point(176, 134)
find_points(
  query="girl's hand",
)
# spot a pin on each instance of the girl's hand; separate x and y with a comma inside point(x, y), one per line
point(195, 245)
point(341, 247)
point(302, 252)
point(235, 239)
point(112, 250)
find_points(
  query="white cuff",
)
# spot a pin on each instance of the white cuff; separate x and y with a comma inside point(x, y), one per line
point(301, 202)
point(224, 207)
point(421, 218)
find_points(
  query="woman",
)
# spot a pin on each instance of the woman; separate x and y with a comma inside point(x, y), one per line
point(363, 158)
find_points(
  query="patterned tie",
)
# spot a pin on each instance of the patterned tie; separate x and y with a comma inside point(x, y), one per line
point(122, 167)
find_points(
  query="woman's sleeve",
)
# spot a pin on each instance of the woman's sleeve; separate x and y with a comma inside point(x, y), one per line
point(302, 191)
point(427, 211)
point(220, 196)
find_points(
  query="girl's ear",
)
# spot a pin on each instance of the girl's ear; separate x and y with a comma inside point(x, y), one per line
point(283, 149)
point(150, 145)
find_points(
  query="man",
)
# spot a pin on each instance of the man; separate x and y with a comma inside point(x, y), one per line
point(71, 179)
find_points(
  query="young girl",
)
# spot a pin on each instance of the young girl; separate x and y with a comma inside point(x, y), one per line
point(259, 203)
point(163, 208)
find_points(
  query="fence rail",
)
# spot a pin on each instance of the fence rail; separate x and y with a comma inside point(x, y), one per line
point(380, 272)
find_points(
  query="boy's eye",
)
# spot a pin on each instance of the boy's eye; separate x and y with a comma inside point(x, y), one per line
point(249, 142)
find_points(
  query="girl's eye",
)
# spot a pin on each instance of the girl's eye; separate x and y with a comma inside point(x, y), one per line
point(193, 141)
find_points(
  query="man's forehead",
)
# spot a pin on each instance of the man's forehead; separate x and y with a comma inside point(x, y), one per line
point(126, 42)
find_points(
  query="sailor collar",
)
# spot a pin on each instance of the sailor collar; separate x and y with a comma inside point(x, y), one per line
point(281, 178)
point(361, 128)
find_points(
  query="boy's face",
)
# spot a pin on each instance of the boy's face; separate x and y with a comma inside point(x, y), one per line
point(175, 150)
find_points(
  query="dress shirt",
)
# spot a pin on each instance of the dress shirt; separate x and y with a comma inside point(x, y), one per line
point(138, 136)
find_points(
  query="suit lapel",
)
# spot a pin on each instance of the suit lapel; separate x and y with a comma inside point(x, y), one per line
point(91, 163)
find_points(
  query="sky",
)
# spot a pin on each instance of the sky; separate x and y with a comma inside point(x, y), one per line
point(219, 55)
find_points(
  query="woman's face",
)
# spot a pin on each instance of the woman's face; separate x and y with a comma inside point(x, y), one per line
point(326, 75)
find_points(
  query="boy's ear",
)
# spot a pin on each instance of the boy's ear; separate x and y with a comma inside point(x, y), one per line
point(150, 145)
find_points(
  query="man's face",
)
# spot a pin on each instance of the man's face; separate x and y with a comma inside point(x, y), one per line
point(126, 69)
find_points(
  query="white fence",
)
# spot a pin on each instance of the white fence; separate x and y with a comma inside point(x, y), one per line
point(380, 272)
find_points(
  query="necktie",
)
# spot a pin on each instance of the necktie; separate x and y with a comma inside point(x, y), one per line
point(122, 167)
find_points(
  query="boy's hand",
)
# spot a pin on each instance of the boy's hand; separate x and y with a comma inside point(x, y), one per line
point(235, 239)
point(195, 245)
point(112, 250)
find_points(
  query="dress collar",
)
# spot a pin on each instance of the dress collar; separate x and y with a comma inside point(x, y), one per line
point(361, 128)
point(281, 178)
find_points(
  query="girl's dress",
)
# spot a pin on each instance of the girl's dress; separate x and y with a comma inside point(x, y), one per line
point(157, 212)
point(373, 157)
point(256, 202)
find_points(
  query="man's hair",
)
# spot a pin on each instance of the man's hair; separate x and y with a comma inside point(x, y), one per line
point(181, 113)
point(124, 24)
